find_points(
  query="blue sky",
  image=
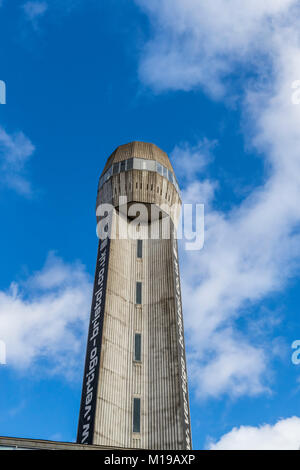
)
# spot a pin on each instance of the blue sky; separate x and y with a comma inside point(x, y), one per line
point(211, 84)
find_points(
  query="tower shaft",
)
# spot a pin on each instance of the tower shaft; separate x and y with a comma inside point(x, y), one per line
point(135, 383)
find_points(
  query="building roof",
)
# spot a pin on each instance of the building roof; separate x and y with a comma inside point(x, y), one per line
point(138, 150)
point(17, 443)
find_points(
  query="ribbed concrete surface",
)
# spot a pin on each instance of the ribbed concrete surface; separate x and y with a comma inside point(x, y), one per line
point(156, 379)
point(142, 186)
point(164, 418)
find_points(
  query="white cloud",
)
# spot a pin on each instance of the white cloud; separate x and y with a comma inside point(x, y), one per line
point(45, 318)
point(251, 251)
point(191, 161)
point(198, 43)
point(226, 363)
point(284, 435)
point(15, 151)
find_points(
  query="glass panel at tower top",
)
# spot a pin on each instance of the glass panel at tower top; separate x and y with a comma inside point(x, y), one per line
point(139, 164)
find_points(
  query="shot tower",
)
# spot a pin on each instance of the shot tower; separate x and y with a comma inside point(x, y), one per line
point(135, 391)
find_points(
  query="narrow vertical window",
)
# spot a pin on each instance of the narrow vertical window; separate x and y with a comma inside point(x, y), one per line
point(140, 248)
point(139, 293)
point(136, 415)
point(137, 347)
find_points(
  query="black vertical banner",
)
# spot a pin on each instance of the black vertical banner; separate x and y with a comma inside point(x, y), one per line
point(93, 349)
point(184, 395)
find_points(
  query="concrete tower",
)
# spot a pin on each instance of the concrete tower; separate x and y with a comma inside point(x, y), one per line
point(135, 391)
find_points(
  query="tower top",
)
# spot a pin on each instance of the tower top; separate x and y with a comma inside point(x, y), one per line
point(137, 149)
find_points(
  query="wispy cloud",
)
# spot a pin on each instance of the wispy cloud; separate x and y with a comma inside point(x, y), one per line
point(34, 10)
point(198, 44)
point(284, 435)
point(43, 319)
point(251, 54)
point(15, 151)
point(191, 161)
